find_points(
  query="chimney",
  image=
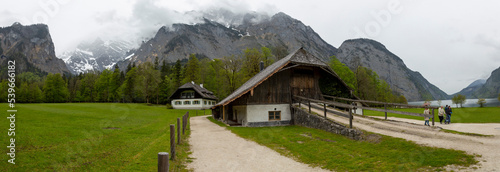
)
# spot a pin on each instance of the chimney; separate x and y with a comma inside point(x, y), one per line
point(261, 64)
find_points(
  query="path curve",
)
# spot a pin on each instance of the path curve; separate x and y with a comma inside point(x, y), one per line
point(217, 149)
point(414, 130)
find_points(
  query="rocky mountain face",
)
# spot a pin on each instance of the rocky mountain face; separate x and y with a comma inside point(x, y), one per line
point(389, 67)
point(97, 55)
point(31, 47)
point(216, 38)
point(472, 88)
point(491, 88)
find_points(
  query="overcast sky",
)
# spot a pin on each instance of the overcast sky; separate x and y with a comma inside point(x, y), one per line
point(451, 43)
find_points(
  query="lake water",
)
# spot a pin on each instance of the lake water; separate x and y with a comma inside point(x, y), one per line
point(468, 103)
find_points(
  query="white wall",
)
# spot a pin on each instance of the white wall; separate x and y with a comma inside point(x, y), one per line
point(192, 106)
point(241, 112)
point(260, 113)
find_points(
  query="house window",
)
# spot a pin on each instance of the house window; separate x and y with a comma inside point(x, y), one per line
point(187, 102)
point(205, 102)
point(274, 115)
point(178, 103)
point(187, 95)
point(196, 102)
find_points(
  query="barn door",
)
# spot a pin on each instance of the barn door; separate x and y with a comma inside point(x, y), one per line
point(303, 83)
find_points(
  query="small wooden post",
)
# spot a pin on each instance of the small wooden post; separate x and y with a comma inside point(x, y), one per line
point(178, 130)
point(162, 162)
point(324, 106)
point(385, 107)
point(432, 116)
point(172, 141)
point(309, 102)
point(183, 123)
point(350, 118)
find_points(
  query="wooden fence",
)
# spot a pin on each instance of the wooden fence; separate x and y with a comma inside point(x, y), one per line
point(354, 106)
point(163, 165)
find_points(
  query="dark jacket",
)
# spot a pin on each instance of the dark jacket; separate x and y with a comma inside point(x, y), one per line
point(447, 111)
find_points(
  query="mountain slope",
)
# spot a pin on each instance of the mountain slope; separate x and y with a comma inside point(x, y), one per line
point(491, 87)
point(98, 55)
point(472, 88)
point(31, 47)
point(389, 67)
point(216, 40)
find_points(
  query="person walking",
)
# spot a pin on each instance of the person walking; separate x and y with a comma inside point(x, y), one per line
point(426, 118)
point(447, 110)
point(441, 114)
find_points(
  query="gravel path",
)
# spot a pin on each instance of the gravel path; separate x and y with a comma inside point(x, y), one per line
point(217, 149)
point(414, 130)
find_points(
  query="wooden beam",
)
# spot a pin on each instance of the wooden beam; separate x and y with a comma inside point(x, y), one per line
point(377, 102)
point(397, 112)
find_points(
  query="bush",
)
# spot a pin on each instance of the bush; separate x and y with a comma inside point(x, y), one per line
point(169, 106)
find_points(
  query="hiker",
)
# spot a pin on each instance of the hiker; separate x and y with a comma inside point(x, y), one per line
point(440, 114)
point(426, 118)
point(448, 114)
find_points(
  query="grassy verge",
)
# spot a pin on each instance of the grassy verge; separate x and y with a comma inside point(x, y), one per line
point(465, 133)
point(335, 152)
point(92, 137)
point(460, 115)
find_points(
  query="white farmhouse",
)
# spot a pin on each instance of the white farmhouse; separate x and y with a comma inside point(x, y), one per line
point(192, 96)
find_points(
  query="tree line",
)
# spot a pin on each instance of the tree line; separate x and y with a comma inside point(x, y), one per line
point(149, 82)
point(152, 82)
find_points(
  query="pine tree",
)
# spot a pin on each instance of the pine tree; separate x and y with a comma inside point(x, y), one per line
point(177, 75)
point(192, 70)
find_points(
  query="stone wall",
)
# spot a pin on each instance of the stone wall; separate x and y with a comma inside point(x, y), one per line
point(302, 118)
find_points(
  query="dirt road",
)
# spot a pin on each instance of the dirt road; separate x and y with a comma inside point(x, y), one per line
point(217, 149)
point(414, 130)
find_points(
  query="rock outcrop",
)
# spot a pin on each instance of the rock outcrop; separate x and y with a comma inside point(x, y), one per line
point(31, 47)
point(372, 54)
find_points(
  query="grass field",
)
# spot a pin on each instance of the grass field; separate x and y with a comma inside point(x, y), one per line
point(336, 152)
point(90, 137)
point(459, 115)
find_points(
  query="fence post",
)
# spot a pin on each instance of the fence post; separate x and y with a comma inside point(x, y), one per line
point(385, 108)
point(432, 116)
point(183, 123)
point(350, 118)
point(178, 130)
point(309, 102)
point(324, 106)
point(162, 162)
point(172, 141)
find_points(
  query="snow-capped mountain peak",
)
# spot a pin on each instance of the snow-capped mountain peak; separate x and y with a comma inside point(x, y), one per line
point(97, 55)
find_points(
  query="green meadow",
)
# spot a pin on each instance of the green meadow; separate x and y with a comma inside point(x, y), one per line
point(459, 115)
point(90, 137)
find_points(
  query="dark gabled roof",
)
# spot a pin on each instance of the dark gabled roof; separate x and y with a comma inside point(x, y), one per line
point(200, 90)
point(298, 57)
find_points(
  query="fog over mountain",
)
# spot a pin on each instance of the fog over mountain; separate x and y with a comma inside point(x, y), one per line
point(438, 39)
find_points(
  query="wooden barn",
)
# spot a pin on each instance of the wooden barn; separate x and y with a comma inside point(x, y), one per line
point(265, 99)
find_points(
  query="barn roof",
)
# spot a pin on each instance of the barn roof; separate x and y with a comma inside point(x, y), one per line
point(298, 57)
point(200, 90)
